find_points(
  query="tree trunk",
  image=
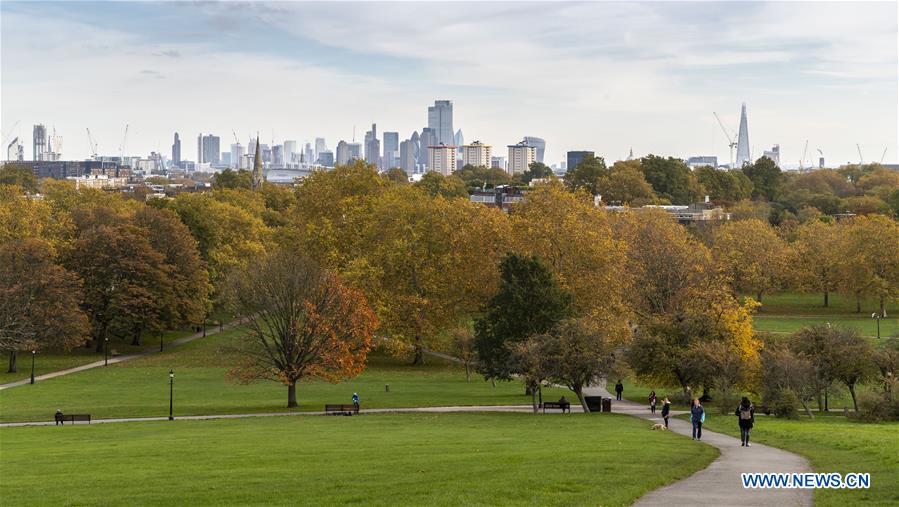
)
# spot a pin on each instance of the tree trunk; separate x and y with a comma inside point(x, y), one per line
point(493, 381)
point(858, 303)
point(579, 391)
point(135, 339)
point(826, 298)
point(807, 411)
point(820, 402)
point(100, 336)
point(826, 408)
point(12, 362)
point(883, 310)
point(534, 399)
point(852, 392)
point(419, 352)
point(758, 296)
point(292, 395)
point(467, 372)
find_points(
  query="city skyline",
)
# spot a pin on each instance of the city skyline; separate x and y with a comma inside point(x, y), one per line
point(831, 81)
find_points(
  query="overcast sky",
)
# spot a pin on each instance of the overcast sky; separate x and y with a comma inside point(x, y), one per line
point(600, 76)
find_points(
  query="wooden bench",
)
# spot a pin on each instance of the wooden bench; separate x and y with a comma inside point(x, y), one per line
point(341, 409)
point(73, 418)
point(563, 406)
point(763, 409)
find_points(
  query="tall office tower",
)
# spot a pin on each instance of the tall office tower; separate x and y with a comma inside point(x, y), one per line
point(320, 146)
point(427, 138)
point(521, 156)
point(342, 157)
point(743, 156)
point(14, 151)
point(278, 155)
point(440, 121)
point(251, 149)
point(498, 163)
point(407, 156)
point(326, 158)
point(308, 154)
point(39, 139)
point(208, 149)
point(391, 150)
point(538, 143)
point(442, 159)
point(290, 147)
point(266, 154)
point(416, 150)
point(355, 151)
point(575, 157)
point(373, 146)
point(774, 154)
point(176, 151)
point(477, 154)
point(238, 159)
point(226, 158)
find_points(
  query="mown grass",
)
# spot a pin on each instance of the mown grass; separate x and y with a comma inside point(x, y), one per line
point(790, 311)
point(833, 444)
point(401, 459)
point(139, 388)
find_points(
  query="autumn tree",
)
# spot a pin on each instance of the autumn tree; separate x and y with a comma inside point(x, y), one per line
point(435, 184)
point(531, 365)
point(853, 360)
point(39, 301)
point(626, 184)
point(786, 378)
point(718, 366)
point(820, 257)
point(302, 322)
point(230, 178)
point(464, 349)
point(19, 174)
point(753, 255)
point(870, 263)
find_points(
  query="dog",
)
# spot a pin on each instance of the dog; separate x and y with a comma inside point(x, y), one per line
point(659, 426)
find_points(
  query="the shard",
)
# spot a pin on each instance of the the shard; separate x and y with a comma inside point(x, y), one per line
point(743, 155)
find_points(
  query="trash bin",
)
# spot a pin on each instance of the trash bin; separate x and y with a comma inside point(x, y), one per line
point(594, 403)
point(607, 404)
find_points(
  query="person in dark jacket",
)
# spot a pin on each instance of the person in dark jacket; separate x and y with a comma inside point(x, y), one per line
point(666, 409)
point(746, 414)
point(697, 417)
point(619, 387)
point(58, 417)
point(652, 401)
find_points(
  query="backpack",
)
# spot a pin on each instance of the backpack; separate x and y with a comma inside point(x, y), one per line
point(745, 413)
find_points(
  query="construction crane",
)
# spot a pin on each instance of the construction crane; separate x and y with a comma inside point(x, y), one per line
point(884, 154)
point(93, 144)
point(236, 140)
point(821, 164)
point(124, 142)
point(861, 159)
point(732, 139)
point(9, 133)
point(802, 160)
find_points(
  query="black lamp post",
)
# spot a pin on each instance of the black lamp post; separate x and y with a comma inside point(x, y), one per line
point(160, 342)
point(106, 351)
point(171, 393)
point(876, 316)
point(33, 353)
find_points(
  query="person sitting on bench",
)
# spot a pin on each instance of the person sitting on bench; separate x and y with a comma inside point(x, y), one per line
point(58, 417)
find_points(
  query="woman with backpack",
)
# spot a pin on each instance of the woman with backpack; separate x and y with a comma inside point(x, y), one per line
point(697, 417)
point(746, 413)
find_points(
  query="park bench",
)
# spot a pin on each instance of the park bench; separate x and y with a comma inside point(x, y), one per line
point(341, 409)
point(765, 409)
point(563, 406)
point(73, 418)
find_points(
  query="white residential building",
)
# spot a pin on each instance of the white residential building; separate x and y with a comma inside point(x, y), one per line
point(477, 154)
point(521, 156)
point(442, 159)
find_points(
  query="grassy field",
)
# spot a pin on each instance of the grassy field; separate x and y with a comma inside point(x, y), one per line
point(787, 312)
point(139, 388)
point(403, 459)
point(55, 361)
point(833, 444)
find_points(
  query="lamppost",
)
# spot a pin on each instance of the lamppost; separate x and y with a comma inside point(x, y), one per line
point(171, 393)
point(106, 351)
point(33, 353)
point(160, 342)
point(876, 316)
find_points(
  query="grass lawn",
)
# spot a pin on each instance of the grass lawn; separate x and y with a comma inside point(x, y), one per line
point(401, 459)
point(139, 388)
point(788, 312)
point(55, 361)
point(833, 444)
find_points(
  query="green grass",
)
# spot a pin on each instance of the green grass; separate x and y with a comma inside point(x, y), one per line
point(401, 459)
point(790, 324)
point(833, 444)
point(139, 388)
point(788, 312)
point(54, 361)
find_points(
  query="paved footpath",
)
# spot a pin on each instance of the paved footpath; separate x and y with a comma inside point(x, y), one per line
point(118, 359)
point(719, 483)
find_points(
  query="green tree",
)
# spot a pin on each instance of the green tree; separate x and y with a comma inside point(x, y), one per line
point(20, 174)
point(627, 185)
point(724, 186)
point(586, 174)
point(230, 178)
point(671, 179)
point(449, 187)
point(397, 175)
point(483, 177)
point(819, 247)
point(767, 179)
point(536, 170)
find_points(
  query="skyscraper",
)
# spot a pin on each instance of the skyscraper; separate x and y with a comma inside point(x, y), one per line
point(39, 139)
point(575, 157)
point(391, 150)
point(427, 138)
point(343, 153)
point(407, 156)
point(774, 154)
point(373, 146)
point(538, 143)
point(416, 150)
point(176, 151)
point(208, 149)
point(326, 158)
point(290, 147)
point(743, 156)
point(320, 147)
point(308, 154)
point(521, 156)
point(238, 160)
point(355, 151)
point(442, 159)
point(440, 121)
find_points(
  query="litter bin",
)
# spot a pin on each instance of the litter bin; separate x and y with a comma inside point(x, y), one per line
point(594, 403)
point(607, 404)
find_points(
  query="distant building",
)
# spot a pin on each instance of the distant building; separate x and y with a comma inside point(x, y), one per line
point(238, 159)
point(308, 154)
point(440, 121)
point(326, 158)
point(176, 151)
point(39, 140)
point(15, 152)
point(743, 155)
point(100, 181)
point(391, 150)
point(208, 149)
point(373, 146)
point(342, 154)
point(62, 169)
point(407, 157)
point(442, 159)
point(278, 155)
point(694, 213)
point(521, 156)
point(416, 152)
point(427, 138)
point(773, 154)
point(702, 161)
point(320, 147)
point(575, 157)
point(226, 158)
point(290, 150)
point(537, 143)
point(355, 151)
point(498, 163)
point(477, 154)
point(502, 197)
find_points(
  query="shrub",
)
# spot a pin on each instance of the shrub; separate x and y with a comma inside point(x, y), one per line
point(877, 407)
point(783, 403)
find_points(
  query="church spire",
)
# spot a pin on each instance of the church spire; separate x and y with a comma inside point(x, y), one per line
point(257, 166)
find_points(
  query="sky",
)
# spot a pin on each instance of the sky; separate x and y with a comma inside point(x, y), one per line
point(600, 76)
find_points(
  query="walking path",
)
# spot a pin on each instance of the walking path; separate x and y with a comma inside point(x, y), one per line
point(117, 359)
point(719, 483)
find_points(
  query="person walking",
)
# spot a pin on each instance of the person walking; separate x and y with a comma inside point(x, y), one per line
point(652, 401)
point(58, 417)
point(666, 409)
point(697, 417)
point(619, 388)
point(746, 414)
point(356, 401)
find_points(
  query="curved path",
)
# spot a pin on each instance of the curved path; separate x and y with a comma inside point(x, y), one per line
point(119, 359)
point(720, 483)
